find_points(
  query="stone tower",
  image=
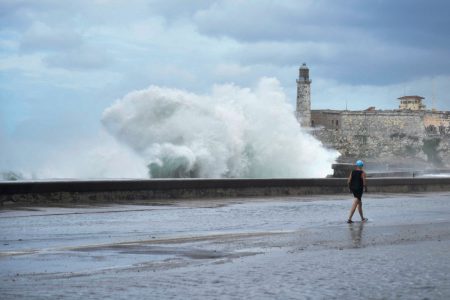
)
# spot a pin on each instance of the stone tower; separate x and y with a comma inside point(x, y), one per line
point(303, 111)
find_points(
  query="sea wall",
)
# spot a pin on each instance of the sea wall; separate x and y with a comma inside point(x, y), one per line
point(149, 191)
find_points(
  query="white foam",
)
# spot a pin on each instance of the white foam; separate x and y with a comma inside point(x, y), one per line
point(230, 132)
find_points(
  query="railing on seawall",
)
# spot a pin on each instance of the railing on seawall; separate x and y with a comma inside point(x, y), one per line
point(141, 191)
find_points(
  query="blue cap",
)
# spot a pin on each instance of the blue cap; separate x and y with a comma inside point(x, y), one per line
point(359, 163)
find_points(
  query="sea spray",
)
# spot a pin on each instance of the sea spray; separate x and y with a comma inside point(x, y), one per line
point(232, 132)
point(94, 156)
point(97, 157)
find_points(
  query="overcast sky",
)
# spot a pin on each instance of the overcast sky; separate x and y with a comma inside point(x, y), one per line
point(63, 62)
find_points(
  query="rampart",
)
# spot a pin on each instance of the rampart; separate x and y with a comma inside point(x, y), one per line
point(386, 136)
point(148, 191)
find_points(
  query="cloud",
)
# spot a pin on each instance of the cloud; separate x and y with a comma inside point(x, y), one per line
point(63, 48)
point(358, 42)
point(284, 53)
point(80, 59)
point(331, 94)
point(417, 23)
point(63, 60)
point(231, 70)
point(18, 15)
point(265, 20)
point(176, 9)
point(315, 20)
point(41, 37)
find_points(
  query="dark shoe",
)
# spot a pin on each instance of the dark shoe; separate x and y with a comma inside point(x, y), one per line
point(364, 220)
point(349, 221)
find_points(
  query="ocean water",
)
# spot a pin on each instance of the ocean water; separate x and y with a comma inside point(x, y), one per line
point(441, 175)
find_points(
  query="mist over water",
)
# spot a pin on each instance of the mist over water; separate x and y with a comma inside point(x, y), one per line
point(99, 156)
point(232, 132)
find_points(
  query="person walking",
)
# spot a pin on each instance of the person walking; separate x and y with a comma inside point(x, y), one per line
point(357, 184)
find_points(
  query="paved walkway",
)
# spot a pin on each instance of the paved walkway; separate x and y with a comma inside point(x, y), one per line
point(277, 248)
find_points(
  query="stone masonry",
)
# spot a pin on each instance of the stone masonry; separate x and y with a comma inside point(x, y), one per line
point(399, 137)
point(304, 97)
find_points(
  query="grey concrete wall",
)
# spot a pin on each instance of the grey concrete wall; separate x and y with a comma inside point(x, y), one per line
point(142, 191)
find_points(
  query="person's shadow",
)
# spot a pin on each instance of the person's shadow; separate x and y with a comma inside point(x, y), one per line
point(356, 230)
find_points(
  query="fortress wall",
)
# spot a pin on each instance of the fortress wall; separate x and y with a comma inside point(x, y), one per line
point(437, 143)
point(437, 122)
point(443, 150)
point(383, 122)
point(437, 118)
point(157, 191)
point(326, 119)
point(384, 136)
point(370, 121)
point(389, 137)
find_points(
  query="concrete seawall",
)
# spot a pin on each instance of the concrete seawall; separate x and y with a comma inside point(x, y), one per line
point(140, 191)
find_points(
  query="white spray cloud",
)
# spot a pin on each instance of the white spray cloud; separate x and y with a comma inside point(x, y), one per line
point(232, 132)
point(99, 156)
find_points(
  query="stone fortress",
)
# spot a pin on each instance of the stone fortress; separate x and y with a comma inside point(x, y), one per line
point(408, 138)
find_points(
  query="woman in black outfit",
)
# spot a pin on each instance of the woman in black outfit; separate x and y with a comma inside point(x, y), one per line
point(357, 184)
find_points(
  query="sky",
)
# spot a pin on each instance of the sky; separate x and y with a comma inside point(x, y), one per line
point(62, 63)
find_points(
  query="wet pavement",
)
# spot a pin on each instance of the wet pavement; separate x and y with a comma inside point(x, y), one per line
point(259, 248)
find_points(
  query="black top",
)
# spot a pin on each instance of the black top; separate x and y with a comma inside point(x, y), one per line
point(356, 180)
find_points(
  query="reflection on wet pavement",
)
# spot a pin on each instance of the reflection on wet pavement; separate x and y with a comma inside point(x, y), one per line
point(356, 230)
point(282, 248)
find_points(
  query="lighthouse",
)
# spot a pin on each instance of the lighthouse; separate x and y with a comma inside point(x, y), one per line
point(303, 110)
